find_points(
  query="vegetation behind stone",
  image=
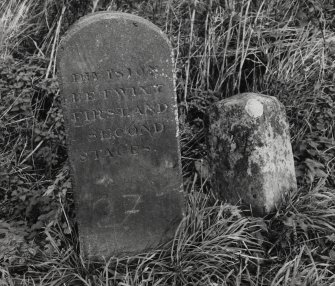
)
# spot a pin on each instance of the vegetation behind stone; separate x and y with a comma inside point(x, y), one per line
point(280, 48)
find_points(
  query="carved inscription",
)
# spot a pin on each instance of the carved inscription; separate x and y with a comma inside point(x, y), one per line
point(125, 105)
point(115, 74)
point(112, 152)
point(122, 102)
point(86, 116)
point(126, 132)
point(107, 208)
point(115, 93)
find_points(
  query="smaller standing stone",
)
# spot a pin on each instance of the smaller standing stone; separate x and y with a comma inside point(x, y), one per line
point(250, 151)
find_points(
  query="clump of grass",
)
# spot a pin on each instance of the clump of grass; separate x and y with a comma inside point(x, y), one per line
point(307, 217)
point(302, 238)
point(303, 270)
point(214, 244)
point(14, 24)
point(281, 48)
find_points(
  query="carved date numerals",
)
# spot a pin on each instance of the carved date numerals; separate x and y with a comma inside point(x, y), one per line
point(111, 213)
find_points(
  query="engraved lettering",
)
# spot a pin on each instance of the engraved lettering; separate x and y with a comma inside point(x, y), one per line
point(146, 129)
point(122, 132)
point(90, 96)
point(134, 149)
point(118, 74)
point(120, 92)
point(94, 76)
point(162, 107)
point(109, 73)
point(83, 156)
point(117, 93)
point(158, 88)
point(109, 153)
point(84, 77)
point(149, 108)
point(113, 92)
point(122, 149)
point(143, 90)
point(159, 127)
point(75, 98)
point(98, 114)
point(131, 202)
point(77, 116)
point(138, 110)
point(140, 71)
point(103, 209)
point(92, 136)
point(76, 77)
point(112, 152)
point(110, 112)
point(148, 70)
point(153, 70)
point(129, 72)
point(132, 130)
point(105, 134)
point(83, 97)
point(114, 74)
point(119, 132)
point(131, 91)
point(87, 117)
point(95, 154)
point(124, 112)
point(105, 93)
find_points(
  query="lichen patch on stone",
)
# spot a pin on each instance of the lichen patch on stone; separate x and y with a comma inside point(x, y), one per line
point(254, 108)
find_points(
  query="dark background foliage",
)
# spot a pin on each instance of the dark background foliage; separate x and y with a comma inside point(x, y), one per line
point(280, 48)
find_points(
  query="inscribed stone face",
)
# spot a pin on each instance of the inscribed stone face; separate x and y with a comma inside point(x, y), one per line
point(116, 76)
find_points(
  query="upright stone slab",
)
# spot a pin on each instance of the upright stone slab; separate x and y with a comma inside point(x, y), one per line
point(117, 86)
point(250, 151)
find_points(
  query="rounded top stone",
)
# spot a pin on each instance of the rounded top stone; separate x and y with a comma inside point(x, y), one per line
point(101, 41)
point(106, 15)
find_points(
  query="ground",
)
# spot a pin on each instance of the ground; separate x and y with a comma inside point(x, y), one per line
point(284, 49)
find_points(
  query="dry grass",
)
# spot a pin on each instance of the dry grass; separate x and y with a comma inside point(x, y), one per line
point(281, 48)
point(214, 244)
point(14, 24)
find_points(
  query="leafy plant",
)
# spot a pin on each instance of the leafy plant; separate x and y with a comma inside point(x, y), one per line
point(280, 48)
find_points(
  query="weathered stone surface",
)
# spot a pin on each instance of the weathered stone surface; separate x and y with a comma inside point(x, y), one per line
point(251, 156)
point(116, 76)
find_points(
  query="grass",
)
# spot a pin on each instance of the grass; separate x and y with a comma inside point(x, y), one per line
point(281, 48)
point(214, 244)
point(14, 23)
